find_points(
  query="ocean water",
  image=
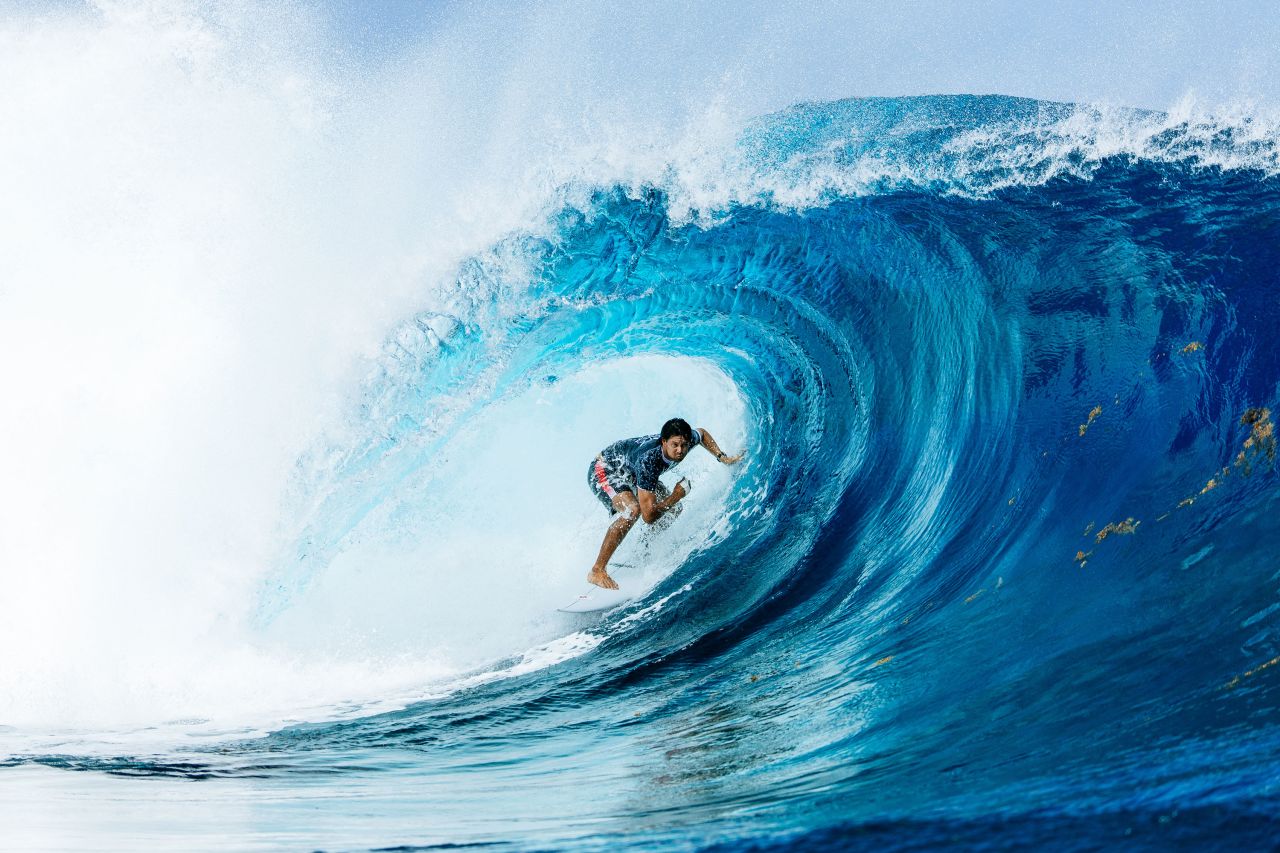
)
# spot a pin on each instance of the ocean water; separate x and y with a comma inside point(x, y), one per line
point(298, 504)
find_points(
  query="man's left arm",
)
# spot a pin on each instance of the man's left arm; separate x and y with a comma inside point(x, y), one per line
point(714, 449)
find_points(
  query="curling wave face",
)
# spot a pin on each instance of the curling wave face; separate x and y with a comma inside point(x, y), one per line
point(1004, 374)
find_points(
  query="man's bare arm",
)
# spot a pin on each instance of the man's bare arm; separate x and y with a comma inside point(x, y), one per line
point(651, 509)
point(714, 449)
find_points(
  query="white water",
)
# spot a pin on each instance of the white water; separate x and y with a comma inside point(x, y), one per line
point(472, 554)
point(208, 236)
point(208, 233)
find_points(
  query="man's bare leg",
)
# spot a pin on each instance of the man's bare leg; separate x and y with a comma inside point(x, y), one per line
point(628, 510)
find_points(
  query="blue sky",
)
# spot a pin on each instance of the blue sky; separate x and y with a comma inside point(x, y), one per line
point(1147, 54)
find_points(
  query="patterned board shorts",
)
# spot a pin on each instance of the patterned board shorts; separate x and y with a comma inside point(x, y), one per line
point(607, 480)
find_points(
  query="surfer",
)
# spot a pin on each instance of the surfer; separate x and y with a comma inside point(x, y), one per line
point(624, 476)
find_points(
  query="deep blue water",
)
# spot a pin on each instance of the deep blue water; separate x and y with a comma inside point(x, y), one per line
point(999, 569)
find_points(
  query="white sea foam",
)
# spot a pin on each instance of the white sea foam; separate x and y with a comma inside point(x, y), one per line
point(210, 226)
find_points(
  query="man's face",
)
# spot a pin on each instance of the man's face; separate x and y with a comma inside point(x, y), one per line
point(676, 447)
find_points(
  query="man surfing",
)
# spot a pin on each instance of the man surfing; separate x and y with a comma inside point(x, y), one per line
point(624, 477)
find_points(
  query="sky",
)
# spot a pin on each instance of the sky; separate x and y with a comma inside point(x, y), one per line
point(1151, 54)
point(1142, 54)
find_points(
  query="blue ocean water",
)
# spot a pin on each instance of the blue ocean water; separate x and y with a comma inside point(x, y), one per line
point(998, 569)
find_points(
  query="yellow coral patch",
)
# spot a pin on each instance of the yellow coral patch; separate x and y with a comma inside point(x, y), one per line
point(1121, 528)
point(1257, 669)
point(1093, 414)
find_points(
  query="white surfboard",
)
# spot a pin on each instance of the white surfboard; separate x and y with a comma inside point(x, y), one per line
point(597, 598)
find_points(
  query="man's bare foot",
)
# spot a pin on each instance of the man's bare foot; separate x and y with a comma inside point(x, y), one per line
point(601, 578)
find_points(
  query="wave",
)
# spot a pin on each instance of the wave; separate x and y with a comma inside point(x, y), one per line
point(1010, 451)
point(1004, 372)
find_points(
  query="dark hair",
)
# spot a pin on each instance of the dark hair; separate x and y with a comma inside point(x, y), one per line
point(677, 426)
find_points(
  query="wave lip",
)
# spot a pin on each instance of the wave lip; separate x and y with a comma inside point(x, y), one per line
point(966, 145)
